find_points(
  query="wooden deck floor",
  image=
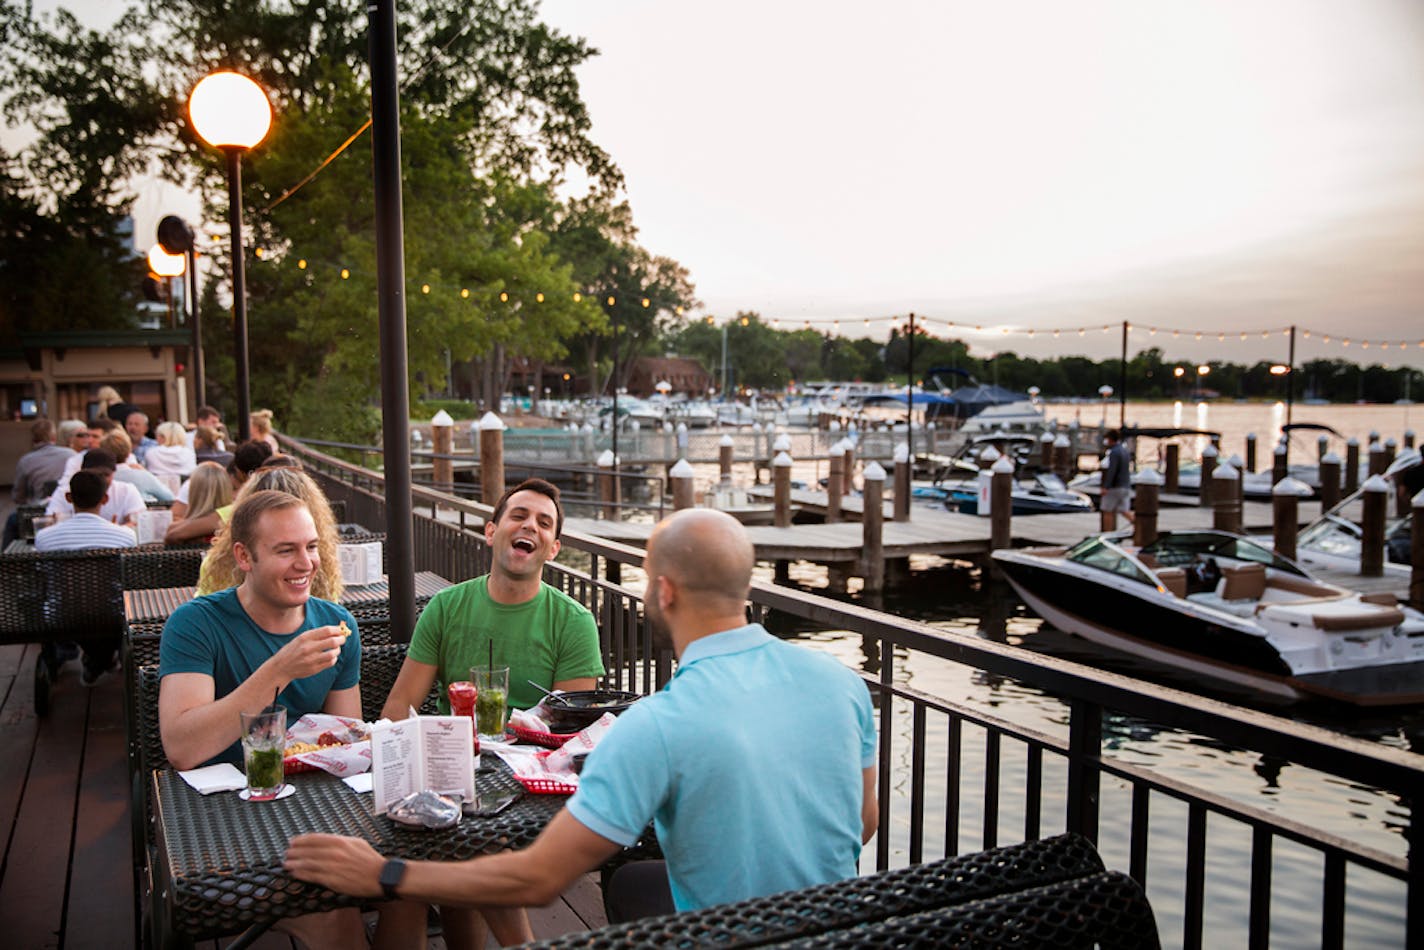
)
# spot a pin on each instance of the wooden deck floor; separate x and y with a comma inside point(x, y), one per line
point(65, 877)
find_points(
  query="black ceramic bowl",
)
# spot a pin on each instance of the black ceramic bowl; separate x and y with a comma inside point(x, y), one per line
point(582, 708)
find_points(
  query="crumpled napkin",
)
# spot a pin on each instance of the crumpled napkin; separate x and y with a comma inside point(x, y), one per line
point(529, 719)
point(223, 777)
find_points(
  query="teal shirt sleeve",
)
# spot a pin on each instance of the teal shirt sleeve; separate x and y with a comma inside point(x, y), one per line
point(625, 780)
point(183, 647)
point(865, 717)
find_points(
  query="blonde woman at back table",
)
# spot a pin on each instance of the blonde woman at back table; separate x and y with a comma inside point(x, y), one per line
point(171, 456)
point(209, 489)
point(220, 571)
point(261, 422)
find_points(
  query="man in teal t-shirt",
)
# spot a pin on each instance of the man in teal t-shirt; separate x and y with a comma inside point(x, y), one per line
point(539, 632)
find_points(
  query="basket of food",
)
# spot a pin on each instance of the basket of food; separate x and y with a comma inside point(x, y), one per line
point(321, 741)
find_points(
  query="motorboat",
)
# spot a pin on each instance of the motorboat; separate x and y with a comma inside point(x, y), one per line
point(1221, 605)
point(1332, 541)
point(954, 480)
point(1022, 415)
point(1033, 493)
point(735, 501)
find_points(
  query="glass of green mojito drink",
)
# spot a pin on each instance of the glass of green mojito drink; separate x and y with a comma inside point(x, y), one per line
point(491, 699)
point(264, 740)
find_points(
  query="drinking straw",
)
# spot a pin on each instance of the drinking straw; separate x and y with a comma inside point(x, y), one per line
point(491, 661)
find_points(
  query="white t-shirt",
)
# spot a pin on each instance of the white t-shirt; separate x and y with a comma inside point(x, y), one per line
point(124, 504)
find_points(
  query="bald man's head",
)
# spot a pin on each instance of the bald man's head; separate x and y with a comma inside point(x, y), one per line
point(707, 553)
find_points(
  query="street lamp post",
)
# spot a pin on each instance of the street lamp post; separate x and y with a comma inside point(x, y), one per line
point(231, 112)
point(175, 237)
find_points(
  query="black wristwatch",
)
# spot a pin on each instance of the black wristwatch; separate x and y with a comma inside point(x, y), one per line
point(392, 873)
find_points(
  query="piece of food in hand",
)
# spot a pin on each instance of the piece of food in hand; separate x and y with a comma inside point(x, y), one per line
point(344, 630)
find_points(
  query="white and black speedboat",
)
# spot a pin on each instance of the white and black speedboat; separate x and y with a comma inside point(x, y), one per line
point(1221, 605)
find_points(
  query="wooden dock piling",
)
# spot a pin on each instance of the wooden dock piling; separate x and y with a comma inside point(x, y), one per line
point(1416, 543)
point(902, 488)
point(608, 485)
point(1146, 503)
point(1285, 514)
point(491, 458)
point(1001, 504)
point(681, 477)
point(1352, 466)
point(1329, 481)
point(1226, 502)
point(1250, 451)
point(1376, 459)
point(873, 529)
point(1376, 508)
point(1172, 468)
point(1280, 463)
point(1208, 466)
point(442, 443)
point(781, 486)
point(835, 482)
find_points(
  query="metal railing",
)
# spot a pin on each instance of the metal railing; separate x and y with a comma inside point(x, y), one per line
point(1112, 801)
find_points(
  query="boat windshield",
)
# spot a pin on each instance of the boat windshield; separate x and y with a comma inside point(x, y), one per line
point(1095, 552)
point(1180, 549)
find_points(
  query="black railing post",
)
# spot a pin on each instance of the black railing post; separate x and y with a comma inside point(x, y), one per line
point(882, 783)
point(1085, 746)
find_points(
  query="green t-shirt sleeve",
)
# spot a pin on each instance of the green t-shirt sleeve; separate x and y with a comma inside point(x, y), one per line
point(425, 640)
point(579, 653)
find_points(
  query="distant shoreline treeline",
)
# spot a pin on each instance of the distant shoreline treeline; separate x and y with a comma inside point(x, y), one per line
point(760, 357)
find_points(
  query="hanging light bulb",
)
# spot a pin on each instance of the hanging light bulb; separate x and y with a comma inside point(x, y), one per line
point(503, 297)
point(302, 264)
point(610, 300)
point(577, 296)
point(538, 298)
point(464, 292)
point(345, 274)
point(425, 288)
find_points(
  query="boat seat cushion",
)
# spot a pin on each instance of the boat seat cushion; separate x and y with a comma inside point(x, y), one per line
point(1174, 579)
point(1247, 582)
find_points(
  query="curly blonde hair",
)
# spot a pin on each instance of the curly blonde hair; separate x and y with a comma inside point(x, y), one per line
point(220, 570)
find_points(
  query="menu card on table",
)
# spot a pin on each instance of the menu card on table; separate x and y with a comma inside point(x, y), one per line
point(422, 752)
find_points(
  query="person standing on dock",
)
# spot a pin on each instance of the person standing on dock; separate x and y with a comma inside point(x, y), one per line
point(508, 617)
point(1117, 481)
point(739, 812)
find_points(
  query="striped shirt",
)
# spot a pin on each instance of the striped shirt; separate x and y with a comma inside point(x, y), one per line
point(83, 531)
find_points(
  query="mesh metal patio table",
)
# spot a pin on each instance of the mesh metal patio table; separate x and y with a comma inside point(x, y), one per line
point(218, 866)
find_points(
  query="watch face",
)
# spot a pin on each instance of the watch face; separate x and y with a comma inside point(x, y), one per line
point(391, 874)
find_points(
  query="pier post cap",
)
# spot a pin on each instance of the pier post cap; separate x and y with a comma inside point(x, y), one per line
point(782, 443)
point(1374, 435)
point(1061, 441)
point(681, 427)
point(1291, 487)
point(667, 426)
point(587, 427)
point(725, 441)
point(835, 425)
point(1210, 451)
point(1353, 441)
point(782, 460)
point(1390, 444)
point(490, 421)
point(1148, 476)
point(1409, 433)
point(1224, 471)
point(851, 429)
point(1002, 467)
point(1046, 437)
point(1418, 500)
point(902, 453)
point(634, 425)
point(442, 419)
point(1330, 458)
point(606, 459)
point(989, 454)
point(1376, 447)
point(681, 469)
point(837, 449)
point(1250, 437)
point(1237, 462)
point(930, 426)
point(573, 426)
point(1281, 449)
point(1375, 483)
point(873, 473)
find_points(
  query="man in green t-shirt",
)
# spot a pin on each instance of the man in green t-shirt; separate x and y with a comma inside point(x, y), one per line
point(539, 632)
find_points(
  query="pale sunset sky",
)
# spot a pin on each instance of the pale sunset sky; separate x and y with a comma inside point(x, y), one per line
point(1213, 165)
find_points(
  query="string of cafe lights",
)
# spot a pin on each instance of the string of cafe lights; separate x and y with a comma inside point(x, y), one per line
point(929, 325)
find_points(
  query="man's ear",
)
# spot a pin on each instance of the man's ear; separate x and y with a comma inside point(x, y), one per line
point(489, 532)
point(241, 556)
point(69, 498)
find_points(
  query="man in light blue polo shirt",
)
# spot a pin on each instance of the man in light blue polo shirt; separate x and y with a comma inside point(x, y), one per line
point(756, 763)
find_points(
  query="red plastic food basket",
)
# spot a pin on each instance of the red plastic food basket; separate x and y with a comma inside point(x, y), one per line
point(551, 740)
point(546, 786)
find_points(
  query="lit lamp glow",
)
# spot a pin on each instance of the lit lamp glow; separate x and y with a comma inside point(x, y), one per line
point(164, 264)
point(231, 112)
